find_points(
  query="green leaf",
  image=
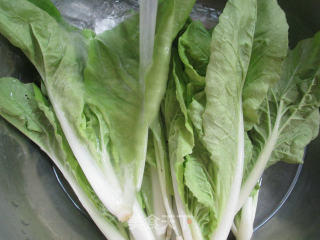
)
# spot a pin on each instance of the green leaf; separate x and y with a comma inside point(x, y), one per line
point(199, 196)
point(93, 85)
point(24, 106)
point(194, 52)
point(193, 202)
point(196, 110)
point(112, 91)
point(289, 115)
point(49, 7)
point(197, 181)
point(270, 47)
point(231, 46)
point(171, 18)
point(180, 143)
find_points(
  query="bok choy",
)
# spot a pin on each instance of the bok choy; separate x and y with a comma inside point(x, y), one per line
point(164, 128)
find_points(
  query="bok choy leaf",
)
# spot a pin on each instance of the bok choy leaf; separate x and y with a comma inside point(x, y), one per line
point(289, 115)
point(26, 108)
point(93, 84)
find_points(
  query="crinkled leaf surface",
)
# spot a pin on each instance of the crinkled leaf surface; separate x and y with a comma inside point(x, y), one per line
point(24, 106)
point(223, 126)
point(269, 49)
point(92, 82)
point(289, 115)
point(194, 51)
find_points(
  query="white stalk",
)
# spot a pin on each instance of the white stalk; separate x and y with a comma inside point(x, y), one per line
point(147, 26)
point(248, 212)
point(183, 216)
point(245, 229)
point(103, 181)
point(225, 223)
point(109, 231)
point(142, 161)
point(261, 163)
point(160, 227)
point(163, 186)
point(138, 224)
point(195, 229)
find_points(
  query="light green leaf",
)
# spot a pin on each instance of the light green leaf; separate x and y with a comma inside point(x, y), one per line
point(270, 47)
point(231, 46)
point(192, 202)
point(289, 117)
point(197, 181)
point(49, 7)
point(196, 110)
point(171, 18)
point(23, 105)
point(180, 143)
point(93, 85)
point(194, 52)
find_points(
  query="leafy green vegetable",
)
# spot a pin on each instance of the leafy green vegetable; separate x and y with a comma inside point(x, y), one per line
point(163, 174)
point(289, 115)
point(256, 73)
point(194, 51)
point(48, 7)
point(269, 49)
point(171, 18)
point(223, 126)
point(234, 103)
point(24, 106)
point(176, 149)
point(243, 221)
point(107, 101)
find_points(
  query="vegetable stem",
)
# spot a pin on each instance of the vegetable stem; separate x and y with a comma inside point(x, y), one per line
point(261, 163)
point(138, 224)
point(225, 224)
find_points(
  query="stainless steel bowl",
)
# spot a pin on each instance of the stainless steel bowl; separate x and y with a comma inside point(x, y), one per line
point(33, 206)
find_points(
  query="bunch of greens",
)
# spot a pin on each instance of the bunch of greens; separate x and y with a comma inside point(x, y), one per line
point(181, 130)
point(93, 95)
point(234, 108)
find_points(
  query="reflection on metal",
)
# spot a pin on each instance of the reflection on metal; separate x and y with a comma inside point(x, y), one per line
point(284, 199)
point(68, 191)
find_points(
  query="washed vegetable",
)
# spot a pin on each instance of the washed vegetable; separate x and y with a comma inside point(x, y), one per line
point(243, 227)
point(163, 128)
point(289, 115)
point(240, 47)
point(29, 110)
point(288, 122)
point(93, 85)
